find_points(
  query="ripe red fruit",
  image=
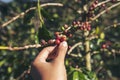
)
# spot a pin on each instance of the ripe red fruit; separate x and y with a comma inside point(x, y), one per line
point(70, 35)
point(88, 28)
point(50, 41)
point(56, 33)
point(63, 38)
point(43, 42)
point(57, 41)
point(74, 23)
point(65, 26)
point(104, 46)
point(103, 5)
point(96, 2)
point(93, 5)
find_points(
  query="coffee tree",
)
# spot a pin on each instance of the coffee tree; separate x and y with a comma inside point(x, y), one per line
point(91, 28)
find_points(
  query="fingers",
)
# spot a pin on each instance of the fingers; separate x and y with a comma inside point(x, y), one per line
point(61, 52)
point(58, 53)
point(43, 55)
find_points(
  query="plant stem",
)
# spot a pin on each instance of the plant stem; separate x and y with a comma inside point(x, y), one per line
point(87, 50)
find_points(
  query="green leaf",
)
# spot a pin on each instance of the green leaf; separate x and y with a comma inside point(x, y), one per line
point(2, 62)
point(43, 33)
point(76, 75)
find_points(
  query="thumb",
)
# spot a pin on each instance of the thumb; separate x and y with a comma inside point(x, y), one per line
point(61, 52)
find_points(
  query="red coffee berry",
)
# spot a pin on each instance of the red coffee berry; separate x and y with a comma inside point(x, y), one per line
point(50, 41)
point(88, 28)
point(103, 5)
point(70, 35)
point(65, 26)
point(78, 22)
point(63, 38)
point(43, 42)
point(74, 23)
point(65, 32)
point(56, 33)
point(93, 5)
point(96, 2)
point(57, 41)
point(104, 46)
point(91, 8)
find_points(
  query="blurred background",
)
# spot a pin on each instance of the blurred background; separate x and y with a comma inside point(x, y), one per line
point(23, 31)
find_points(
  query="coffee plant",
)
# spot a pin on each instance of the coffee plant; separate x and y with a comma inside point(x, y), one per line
point(91, 28)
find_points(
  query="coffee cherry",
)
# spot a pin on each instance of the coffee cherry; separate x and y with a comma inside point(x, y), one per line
point(104, 46)
point(65, 26)
point(91, 8)
point(56, 33)
point(103, 5)
point(74, 23)
point(70, 35)
point(50, 41)
point(113, 1)
point(88, 28)
point(63, 38)
point(57, 41)
point(43, 42)
point(93, 5)
point(96, 2)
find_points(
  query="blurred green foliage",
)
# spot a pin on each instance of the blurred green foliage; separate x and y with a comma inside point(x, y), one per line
point(23, 31)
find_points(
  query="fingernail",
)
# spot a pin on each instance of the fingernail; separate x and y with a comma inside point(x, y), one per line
point(64, 43)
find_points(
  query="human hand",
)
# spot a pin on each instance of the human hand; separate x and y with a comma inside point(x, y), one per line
point(53, 70)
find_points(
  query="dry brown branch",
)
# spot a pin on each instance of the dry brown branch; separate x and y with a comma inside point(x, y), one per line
point(103, 2)
point(32, 8)
point(98, 15)
point(73, 47)
point(20, 48)
point(114, 25)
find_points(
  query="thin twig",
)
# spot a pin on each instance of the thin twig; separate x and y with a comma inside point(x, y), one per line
point(26, 72)
point(97, 16)
point(20, 48)
point(30, 9)
point(116, 24)
point(103, 2)
point(74, 46)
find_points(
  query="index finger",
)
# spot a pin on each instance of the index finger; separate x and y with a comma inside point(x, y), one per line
point(43, 55)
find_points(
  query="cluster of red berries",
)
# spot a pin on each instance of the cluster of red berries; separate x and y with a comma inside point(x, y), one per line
point(59, 38)
point(85, 26)
point(94, 6)
point(67, 33)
